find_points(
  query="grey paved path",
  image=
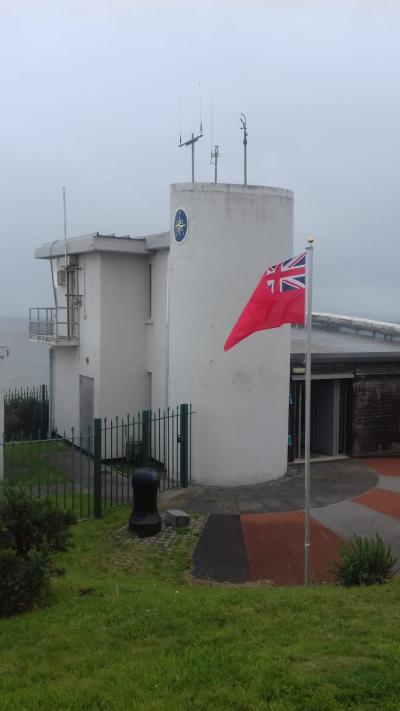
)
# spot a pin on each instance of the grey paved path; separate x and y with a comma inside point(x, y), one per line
point(331, 482)
point(347, 518)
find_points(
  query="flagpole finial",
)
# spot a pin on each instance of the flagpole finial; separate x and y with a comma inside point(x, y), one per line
point(310, 239)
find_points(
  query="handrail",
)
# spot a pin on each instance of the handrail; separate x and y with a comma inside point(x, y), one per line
point(55, 324)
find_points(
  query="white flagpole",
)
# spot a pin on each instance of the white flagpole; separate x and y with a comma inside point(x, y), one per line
point(309, 264)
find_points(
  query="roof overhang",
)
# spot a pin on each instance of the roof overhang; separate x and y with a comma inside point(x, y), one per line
point(95, 242)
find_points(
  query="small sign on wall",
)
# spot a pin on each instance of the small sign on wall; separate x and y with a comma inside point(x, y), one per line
point(181, 225)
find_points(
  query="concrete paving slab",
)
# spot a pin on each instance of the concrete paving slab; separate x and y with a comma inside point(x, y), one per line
point(330, 482)
point(392, 483)
point(253, 506)
point(348, 518)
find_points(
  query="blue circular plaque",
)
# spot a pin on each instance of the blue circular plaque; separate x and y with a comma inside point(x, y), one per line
point(180, 225)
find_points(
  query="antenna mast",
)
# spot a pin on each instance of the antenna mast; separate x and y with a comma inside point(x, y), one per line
point(244, 129)
point(191, 142)
point(65, 228)
point(194, 138)
point(214, 161)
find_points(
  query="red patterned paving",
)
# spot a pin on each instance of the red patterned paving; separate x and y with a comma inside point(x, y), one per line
point(386, 502)
point(275, 548)
point(389, 466)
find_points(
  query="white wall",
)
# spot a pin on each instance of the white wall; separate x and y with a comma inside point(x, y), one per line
point(156, 330)
point(124, 311)
point(240, 397)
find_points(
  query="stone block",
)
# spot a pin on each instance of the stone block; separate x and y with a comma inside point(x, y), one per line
point(177, 518)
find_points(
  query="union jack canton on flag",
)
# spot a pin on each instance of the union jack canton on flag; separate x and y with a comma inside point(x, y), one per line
point(288, 275)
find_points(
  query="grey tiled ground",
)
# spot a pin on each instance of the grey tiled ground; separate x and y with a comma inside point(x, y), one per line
point(347, 518)
point(331, 482)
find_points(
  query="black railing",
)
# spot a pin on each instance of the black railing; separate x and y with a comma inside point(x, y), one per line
point(89, 472)
point(26, 413)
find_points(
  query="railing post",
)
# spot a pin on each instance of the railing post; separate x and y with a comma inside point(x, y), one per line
point(146, 425)
point(97, 467)
point(43, 428)
point(184, 445)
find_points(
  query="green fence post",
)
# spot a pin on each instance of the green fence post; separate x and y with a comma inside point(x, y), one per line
point(146, 427)
point(97, 467)
point(184, 444)
point(43, 411)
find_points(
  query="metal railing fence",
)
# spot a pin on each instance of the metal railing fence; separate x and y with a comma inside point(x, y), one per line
point(26, 413)
point(90, 472)
point(55, 323)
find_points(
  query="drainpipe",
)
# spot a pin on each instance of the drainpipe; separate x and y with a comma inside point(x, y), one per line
point(51, 410)
point(167, 338)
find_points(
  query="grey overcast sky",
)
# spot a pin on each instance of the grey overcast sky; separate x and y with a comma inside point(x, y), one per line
point(90, 95)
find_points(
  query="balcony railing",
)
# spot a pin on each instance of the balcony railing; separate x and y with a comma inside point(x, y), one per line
point(55, 325)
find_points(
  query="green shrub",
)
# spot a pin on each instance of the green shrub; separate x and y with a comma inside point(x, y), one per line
point(364, 561)
point(25, 416)
point(24, 580)
point(31, 531)
point(29, 522)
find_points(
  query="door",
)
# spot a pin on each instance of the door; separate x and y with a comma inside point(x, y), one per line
point(323, 417)
point(86, 411)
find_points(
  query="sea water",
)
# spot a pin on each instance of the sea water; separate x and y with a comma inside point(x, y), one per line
point(27, 363)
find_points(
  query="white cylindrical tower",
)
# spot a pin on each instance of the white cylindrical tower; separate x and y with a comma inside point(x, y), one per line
point(222, 238)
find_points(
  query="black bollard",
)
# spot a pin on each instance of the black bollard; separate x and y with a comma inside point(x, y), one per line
point(145, 519)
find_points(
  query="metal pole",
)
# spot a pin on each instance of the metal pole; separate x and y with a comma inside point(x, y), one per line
point(3, 354)
point(216, 169)
point(307, 544)
point(65, 228)
point(192, 157)
point(244, 129)
point(183, 441)
point(97, 468)
point(51, 426)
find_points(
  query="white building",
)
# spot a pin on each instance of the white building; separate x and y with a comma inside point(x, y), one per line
point(140, 323)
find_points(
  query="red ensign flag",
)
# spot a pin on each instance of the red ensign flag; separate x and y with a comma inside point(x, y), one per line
point(278, 298)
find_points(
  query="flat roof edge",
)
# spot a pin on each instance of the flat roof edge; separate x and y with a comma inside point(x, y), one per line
point(95, 242)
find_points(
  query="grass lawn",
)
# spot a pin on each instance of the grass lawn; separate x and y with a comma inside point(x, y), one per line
point(126, 630)
point(25, 463)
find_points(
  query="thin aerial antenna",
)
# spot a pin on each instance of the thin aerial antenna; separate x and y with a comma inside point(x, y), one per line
point(212, 125)
point(243, 120)
point(191, 142)
point(201, 122)
point(193, 139)
point(180, 119)
point(65, 227)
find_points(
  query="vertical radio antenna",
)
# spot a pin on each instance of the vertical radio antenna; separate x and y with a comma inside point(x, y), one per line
point(201, 122)
point(243, 120)
point(65, 227)
point(180, 119)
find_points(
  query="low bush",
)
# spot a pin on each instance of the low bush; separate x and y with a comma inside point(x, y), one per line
point(364, 561)
point(29, 522)
point(25, 417)
point(31, 531)
point(24, 580)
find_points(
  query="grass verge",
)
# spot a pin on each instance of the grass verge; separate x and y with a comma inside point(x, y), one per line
point(28, 463)
point(125, 631)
